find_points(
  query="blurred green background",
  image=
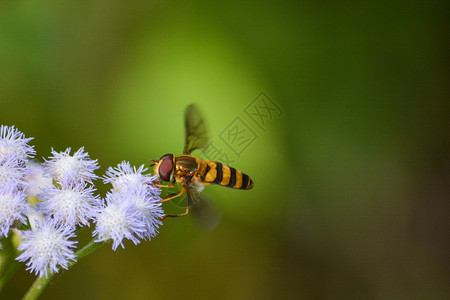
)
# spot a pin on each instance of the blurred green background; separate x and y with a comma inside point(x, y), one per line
point(351, 196)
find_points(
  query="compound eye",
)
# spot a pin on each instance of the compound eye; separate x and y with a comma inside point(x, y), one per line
point(166, 167)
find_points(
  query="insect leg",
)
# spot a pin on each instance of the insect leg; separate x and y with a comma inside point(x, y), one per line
point(179, 215)
point(169, 197)
point(162, 185)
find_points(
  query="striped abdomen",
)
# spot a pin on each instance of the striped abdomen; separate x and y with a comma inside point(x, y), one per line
point(218, 173)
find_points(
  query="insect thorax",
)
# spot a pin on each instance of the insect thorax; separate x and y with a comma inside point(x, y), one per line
point(186, 164)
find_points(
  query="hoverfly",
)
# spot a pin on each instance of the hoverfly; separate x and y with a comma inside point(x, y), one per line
point(191, 171)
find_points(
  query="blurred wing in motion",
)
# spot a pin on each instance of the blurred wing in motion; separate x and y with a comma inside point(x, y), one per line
point(203, 212)
point(196, 135)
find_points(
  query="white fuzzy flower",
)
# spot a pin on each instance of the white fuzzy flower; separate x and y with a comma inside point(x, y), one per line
point(71, 205)
point(118, 220)
point(13, 206)
point(70, 170)
point(125, 177)
point(11, 172)
point(36, 181)
point(46, 247)
point(14, 145)
point(148, 207)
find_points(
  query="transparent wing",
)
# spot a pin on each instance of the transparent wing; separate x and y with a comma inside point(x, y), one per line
point(203, 212)
point(192, 195)
point(196, 134)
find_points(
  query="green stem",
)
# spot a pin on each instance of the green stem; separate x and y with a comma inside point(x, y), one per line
point(41, 282)
point(38, 286)
point(88, 249)
point(8, 272)
point(8, 265)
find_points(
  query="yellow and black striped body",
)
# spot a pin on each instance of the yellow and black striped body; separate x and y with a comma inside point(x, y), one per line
point(218, 173)
point(210, 172)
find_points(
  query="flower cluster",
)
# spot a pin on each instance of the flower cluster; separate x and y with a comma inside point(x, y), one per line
point(70, 201)
point(65, 198)
point(132, 209)
point(15, 153)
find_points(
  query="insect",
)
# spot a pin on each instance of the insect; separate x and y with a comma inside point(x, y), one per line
point(193, 172)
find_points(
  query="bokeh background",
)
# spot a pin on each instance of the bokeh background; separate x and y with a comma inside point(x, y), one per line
point(351, 196)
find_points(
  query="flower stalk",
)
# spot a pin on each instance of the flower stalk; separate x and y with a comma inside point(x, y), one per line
point(8, 265)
